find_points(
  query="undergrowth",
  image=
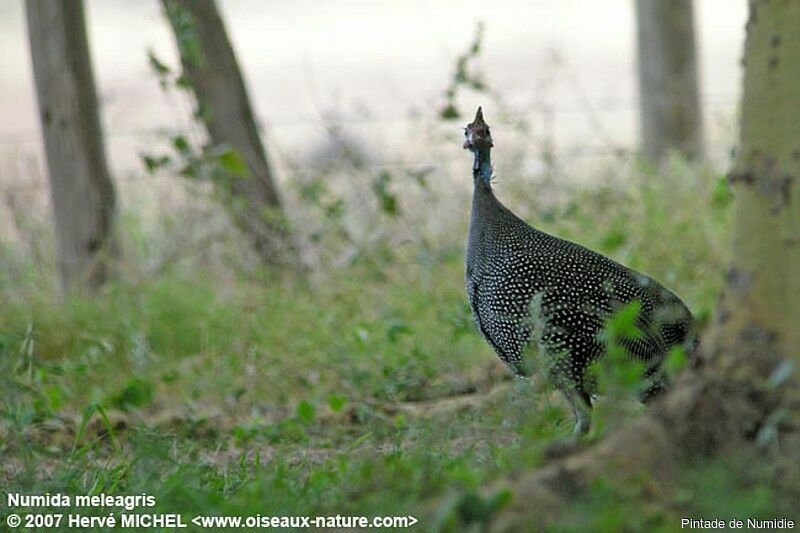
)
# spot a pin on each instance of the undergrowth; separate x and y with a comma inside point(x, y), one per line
point(363, 389)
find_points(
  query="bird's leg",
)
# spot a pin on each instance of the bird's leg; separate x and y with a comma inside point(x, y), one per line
point(581, 405)
point(582, 410)
point(582, 424)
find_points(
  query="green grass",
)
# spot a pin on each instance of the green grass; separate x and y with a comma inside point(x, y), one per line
point(363, 391)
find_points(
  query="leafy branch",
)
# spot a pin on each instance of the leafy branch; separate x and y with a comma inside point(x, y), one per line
point(464, 75)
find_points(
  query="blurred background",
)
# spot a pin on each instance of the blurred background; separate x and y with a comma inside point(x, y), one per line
point(375, 69)
point(253, 300)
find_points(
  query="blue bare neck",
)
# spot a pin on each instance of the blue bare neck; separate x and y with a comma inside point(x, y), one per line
point(482, 168)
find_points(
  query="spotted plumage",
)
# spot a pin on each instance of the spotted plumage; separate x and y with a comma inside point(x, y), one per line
point(525, 286)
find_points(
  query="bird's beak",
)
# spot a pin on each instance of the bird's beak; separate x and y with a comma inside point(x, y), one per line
point(468, 142)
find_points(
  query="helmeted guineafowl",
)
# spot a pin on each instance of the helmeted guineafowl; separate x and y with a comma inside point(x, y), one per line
point(525, 285)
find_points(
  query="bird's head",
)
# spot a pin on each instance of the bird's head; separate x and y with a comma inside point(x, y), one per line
point(479, 142)
point(478, 137)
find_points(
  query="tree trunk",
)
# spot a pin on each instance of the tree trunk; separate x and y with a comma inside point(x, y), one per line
point(743, 393)
point(80, 185)
point(210, 65)
point(763, 289)
point(670, 116)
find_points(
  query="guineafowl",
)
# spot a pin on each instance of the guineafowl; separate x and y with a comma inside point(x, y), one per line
point(527, 287)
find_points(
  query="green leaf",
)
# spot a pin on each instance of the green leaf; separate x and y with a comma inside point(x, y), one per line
point(53, 395)
point(181, 144)
point(157, 66)
point(161, 70)
point(622, 324)
point(233, 162)
point(306, 412)
point(182, 82)
point(86, 415)
point(107, 424)
point(449, 112)
point(337, 402)
point(395, 329)
point(136, 393)
point(152, 164)
point(88, 411)
point(675, 361)
point(388, 201)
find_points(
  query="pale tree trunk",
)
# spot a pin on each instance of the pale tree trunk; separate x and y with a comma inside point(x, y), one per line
point(80, 185)
point(210, 65)
point(743, 392)
point(763, 289)
point(670, 115)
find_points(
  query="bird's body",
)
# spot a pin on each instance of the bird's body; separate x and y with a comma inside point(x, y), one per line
point(525, 285)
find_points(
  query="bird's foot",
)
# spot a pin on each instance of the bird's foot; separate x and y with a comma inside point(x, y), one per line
point(582, 425)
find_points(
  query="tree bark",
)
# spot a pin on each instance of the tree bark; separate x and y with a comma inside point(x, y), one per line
point(210, 65)
point(80, 184)
point(743, 392)
point(670, 115)
point(763, 288)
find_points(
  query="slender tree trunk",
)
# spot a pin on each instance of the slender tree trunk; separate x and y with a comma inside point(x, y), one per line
point(762, 294)
point(81, 187)
point(670, 115)
point(210, 65)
